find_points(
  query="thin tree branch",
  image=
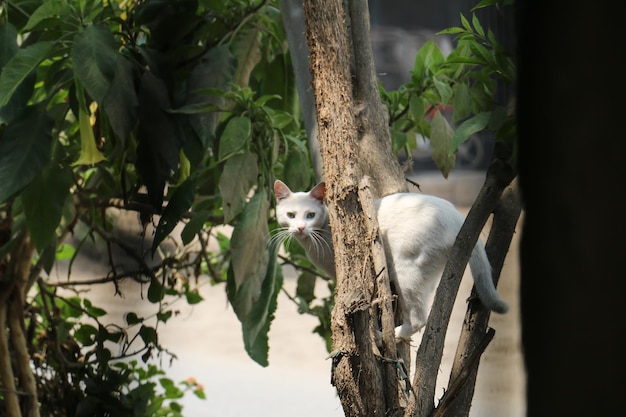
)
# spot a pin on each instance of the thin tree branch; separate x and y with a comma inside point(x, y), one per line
point(461, 380)
point(428, 358)
point(476, 320)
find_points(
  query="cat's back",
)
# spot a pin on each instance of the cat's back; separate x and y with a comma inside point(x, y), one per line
point(412, 213)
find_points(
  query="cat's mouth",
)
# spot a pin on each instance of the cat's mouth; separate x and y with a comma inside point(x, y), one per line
point(300, 234)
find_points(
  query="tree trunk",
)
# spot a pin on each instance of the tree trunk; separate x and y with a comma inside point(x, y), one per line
point(15, 284)
point(354, 140)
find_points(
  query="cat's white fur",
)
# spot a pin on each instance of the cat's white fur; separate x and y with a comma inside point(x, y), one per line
point(418, 231)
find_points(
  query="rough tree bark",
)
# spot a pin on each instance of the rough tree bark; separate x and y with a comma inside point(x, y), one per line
point(14, 284)
point(353, 134)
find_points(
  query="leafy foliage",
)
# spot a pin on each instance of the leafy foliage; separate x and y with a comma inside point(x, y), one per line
point(449, 99)
point(158, 107)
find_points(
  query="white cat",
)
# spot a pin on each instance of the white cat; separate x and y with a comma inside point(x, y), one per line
point(418, 232)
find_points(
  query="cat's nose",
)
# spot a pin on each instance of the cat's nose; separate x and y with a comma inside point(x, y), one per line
point(300, 229)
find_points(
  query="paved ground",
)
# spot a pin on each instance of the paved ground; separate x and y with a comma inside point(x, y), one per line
point(207, 340)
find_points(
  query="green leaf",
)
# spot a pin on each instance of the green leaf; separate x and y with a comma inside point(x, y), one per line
point(148, 334)
point(132, 318)
point(428, 58)
point(440, 141)
point(462, 102)
point(416, 108)
point(95, 60)
point(43, 200)
point(120, 102)
point(193, 297)
point(468, 128)
point(235, 135)
point(160, 138)
point(155, 291)
point(180, 202)
point(65, 251)
point(24, 150)
point(297, 172)
point(306, 286)
point(477, 26)
point(21, 96)
point(164, 316)
point(247, 50)
point(215, 71)
point(249, 258)
point(92, 310)
point(483, 55)
point(239, 175)
point(68, 307)
point(195, 224)
point(8, 43)
point(200, 394)
point(20, 66)
point(49, 9)
point(257, 323)
point(86, 334)
point(444, 90)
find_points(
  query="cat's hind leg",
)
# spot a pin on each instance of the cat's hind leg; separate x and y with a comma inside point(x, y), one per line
point(414, 321)
point(416, 296)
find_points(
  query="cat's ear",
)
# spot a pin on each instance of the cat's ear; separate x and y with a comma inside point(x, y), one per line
point(281, 191)
point(319, 192)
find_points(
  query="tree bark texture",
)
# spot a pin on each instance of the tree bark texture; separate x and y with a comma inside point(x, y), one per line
point(361, 373)
point(14, 356)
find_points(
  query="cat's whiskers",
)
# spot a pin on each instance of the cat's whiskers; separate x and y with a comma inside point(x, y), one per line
point(319, 241)
point(280, 236)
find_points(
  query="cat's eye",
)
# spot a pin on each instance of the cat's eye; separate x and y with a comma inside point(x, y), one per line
point(310, 215)
point(291, 215)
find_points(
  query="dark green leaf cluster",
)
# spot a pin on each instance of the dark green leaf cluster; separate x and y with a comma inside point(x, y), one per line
point(450, 99)
point(183, 111)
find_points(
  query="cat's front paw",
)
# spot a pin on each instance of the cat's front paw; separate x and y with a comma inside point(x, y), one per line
point(404, 332)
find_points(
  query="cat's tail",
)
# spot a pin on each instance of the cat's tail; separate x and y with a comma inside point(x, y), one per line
point(483, 281)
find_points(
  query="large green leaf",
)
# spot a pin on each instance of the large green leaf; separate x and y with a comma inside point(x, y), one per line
point(215, 70)
point(120, 103)
point(43, 200)
point(462, 102)
point(8, 43)
point(428, 58)
point(256, 326)
point(24, 150)
point(8, 49)
point(469, 127)
point(297, 172)
point(235, 135)
point(95, 60)
point(58, 9)
point(441, 141)
point(160, 138)
point(180, 202)
point(239, 175)
point(19, 67)
point(247, 50)
point(250, 256)
point(193, 226)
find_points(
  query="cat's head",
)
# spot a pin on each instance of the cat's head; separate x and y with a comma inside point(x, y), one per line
point(302, 213)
